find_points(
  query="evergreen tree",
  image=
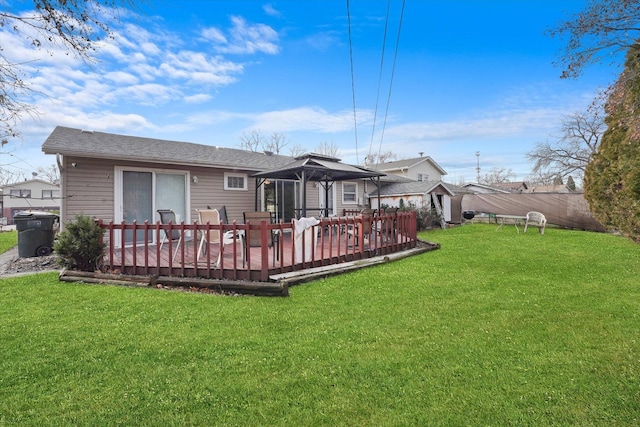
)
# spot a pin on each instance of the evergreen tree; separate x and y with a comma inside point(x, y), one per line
point(612, 178)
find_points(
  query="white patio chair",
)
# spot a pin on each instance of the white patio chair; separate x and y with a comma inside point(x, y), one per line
point(535, 219)
point(211, 217)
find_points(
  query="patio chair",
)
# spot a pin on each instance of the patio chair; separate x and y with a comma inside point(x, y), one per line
point(535, 219)
point(223, 215)
point(255, 238)
point(367, 226)
point(169, 216)
point(391, 228)
point(211, 217)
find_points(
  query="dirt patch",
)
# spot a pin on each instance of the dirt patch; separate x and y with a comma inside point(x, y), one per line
point(17, 265)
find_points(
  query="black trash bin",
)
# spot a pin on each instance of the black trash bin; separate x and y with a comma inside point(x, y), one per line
point(36, 231)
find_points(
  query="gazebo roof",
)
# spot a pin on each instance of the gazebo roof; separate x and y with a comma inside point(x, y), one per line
point(318, 167)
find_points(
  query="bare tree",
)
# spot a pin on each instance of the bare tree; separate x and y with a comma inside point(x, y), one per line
point(277, 142)
point(253, 141)
point(603, 29)
point(49, 173)
point(579, 139)
point(10, 177)
point(297, 150)
point(539, 178)
point(327, 148)
point(74, 25)
point(374, 159)
point(496, 175)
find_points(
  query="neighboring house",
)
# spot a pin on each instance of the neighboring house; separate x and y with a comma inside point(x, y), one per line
point(125, 178)
point(33, 194)
point(511, 187)
point(416, 169)
point(415, 193)
point(477, 188)
point(561, 188)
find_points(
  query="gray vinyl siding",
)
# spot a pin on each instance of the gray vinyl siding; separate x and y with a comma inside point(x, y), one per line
point(89, 189)
point(209, 191)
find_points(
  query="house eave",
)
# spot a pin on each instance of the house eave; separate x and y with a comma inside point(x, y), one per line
point(156, 160)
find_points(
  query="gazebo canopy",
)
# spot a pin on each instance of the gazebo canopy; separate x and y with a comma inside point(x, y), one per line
point(318, 168)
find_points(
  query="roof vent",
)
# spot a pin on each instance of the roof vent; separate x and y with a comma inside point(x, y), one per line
point(268, 153)
point(86, 131)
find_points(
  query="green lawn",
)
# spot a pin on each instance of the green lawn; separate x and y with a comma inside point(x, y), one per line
point(8, 240)
point(495, 328)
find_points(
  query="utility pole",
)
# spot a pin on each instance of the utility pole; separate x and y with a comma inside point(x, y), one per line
point(478, 167)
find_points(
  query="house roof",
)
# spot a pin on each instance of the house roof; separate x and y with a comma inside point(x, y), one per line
point(511, 186)
point(393, 178)
point(27, 182)
point(408, 163)
point(486, 187)
point(411, 188)
point(560, 188)
point(82, 143)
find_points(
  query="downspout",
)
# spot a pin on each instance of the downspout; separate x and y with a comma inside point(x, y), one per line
point(63, 190)
point(259, 182)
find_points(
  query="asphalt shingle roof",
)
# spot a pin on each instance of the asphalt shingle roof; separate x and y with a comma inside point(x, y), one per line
point(407, 163)
point(81, 143)
point(414, 187)
point(319, 168)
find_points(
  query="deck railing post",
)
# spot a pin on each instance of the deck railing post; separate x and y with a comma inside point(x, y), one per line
point(264, 274)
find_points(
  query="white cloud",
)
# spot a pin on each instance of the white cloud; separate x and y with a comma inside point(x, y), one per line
point(307, 119)
point(121, 78)
point(245, 38)
point(197, 67)
point(149, 94)
point(325, 40)
point(213, 35)
point(270, 10)
point(198, 98)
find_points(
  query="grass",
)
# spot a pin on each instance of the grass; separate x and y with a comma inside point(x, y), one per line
point(495, 328)
point(8, 240)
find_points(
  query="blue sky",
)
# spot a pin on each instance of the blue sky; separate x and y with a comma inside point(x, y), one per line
point(469, 75)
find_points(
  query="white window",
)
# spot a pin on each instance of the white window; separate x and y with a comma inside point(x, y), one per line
point(235, 181)
point(349, 193)
point(50, 194)
point(423, 177)
point(21, 192)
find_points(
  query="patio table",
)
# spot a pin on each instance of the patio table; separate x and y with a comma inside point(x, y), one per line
point(516, 219)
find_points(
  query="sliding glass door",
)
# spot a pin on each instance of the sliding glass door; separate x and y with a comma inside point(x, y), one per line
point(141, 193)
point(280, 198)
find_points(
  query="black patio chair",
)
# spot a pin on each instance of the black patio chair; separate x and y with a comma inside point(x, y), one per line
point(169, 216)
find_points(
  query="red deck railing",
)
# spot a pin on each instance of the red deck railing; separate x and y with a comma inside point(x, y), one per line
point(332, 241)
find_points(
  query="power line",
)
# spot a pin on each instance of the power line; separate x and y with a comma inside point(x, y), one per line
point(384, 43)
point(353, 86)
point(393, 71)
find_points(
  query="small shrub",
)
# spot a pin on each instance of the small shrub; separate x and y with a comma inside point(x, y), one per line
point(426, 217)
point(79, 246)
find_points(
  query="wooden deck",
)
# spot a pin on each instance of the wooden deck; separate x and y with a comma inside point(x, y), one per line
point(333, 241)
